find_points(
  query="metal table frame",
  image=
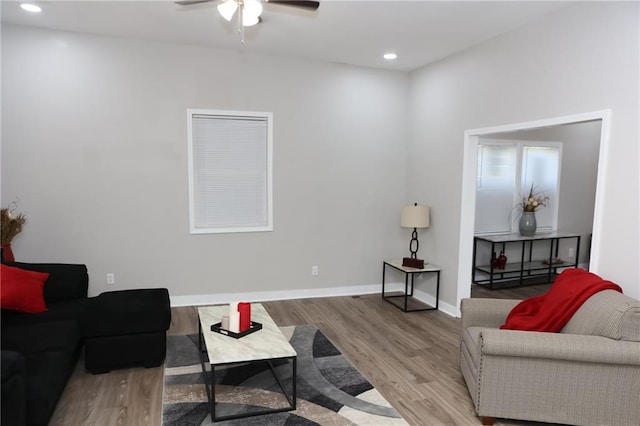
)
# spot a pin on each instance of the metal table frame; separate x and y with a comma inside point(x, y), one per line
point(409, 284)
point(210, 381)
point(526, 266)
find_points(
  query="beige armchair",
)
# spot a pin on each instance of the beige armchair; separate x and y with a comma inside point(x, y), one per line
point(588, 374)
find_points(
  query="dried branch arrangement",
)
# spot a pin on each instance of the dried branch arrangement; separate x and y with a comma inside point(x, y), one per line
point(11, 224)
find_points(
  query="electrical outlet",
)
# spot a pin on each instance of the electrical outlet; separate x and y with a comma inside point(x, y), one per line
point(314, 271)
point(571, 252)
point(111, 279)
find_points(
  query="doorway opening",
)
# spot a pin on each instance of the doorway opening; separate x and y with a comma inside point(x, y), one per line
point(469, 178)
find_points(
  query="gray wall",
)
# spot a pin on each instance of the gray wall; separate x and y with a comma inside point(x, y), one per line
point(580, 59)
point(94, 148)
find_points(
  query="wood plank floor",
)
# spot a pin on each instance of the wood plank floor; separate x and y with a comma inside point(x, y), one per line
point(509, 293)
point(411, 358)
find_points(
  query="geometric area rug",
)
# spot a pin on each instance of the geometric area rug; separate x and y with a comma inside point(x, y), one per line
point(330, 390)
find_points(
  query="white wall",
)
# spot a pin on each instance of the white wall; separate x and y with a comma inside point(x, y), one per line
point(94, 148)
point(580, 59)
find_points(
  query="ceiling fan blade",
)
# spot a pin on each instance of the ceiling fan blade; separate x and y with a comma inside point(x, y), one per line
point(189, 2)
point(310, 5)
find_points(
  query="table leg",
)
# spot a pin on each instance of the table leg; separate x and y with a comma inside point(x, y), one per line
point(384, 266)
point(522, 264)
point(557, 243)
point(295, 379)
point(437, 288)
point(209, 379)
point(411, 286)
point(213, 392)
point(406, 290)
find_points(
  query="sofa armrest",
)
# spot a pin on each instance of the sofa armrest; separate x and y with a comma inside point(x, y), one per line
point(13, 388)
point(66, 281)
point(485, 312)
point(559, 346)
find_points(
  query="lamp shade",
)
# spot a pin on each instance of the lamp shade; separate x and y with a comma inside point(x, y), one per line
point(414, 217)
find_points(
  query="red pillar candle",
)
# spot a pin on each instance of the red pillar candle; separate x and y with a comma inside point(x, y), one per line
point(245, 315)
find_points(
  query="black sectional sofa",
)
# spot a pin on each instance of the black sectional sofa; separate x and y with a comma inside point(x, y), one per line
point(41, 350)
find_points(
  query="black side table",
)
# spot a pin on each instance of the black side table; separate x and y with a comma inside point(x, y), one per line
point(408, 285)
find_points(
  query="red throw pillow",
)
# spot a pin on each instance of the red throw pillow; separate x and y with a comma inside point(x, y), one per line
point(22, 290)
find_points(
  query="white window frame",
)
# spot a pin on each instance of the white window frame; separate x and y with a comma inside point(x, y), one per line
point(520, 189)
point(193, 228)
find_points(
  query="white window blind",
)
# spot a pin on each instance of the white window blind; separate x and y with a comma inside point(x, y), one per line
point(541, 167)
point(230, 173)
point(497, 171)
point(506, 171)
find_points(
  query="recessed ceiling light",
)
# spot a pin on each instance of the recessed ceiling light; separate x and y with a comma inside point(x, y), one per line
point(31, 7)
point(390, 56)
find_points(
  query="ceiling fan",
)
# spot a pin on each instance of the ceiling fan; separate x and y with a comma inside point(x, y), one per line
point(249, 11)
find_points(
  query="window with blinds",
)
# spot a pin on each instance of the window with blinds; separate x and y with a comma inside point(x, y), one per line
point(506, 171)
point(230, 171)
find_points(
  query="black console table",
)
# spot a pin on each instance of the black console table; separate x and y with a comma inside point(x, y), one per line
point(527, 270)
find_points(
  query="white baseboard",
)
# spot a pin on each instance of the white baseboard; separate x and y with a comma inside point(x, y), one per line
point(265, 296)
point(431, 300)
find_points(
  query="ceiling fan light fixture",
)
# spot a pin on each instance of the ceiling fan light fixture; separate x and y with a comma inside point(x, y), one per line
point(252, 7)
point(251, 11)
point(249, 21)
point(228, 9)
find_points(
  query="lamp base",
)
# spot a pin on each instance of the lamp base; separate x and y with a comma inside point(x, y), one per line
point(413, 263)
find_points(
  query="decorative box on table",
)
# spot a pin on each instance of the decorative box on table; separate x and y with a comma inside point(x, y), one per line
point(217, 328)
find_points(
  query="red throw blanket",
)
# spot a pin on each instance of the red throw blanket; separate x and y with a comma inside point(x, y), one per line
point(551, 311)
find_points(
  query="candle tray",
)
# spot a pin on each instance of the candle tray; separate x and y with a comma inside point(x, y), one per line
point(217, 328)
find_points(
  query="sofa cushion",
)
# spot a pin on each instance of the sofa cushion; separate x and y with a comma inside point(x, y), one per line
point(48, 374)
point(13, 386)
point(66, 281)
point(69, 310)
point(127, 312)
point(42, 337)
point(609, 314)
point(50, 351)
point(22, 290)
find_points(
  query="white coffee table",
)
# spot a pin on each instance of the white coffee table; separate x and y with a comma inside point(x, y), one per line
point(265, 345)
